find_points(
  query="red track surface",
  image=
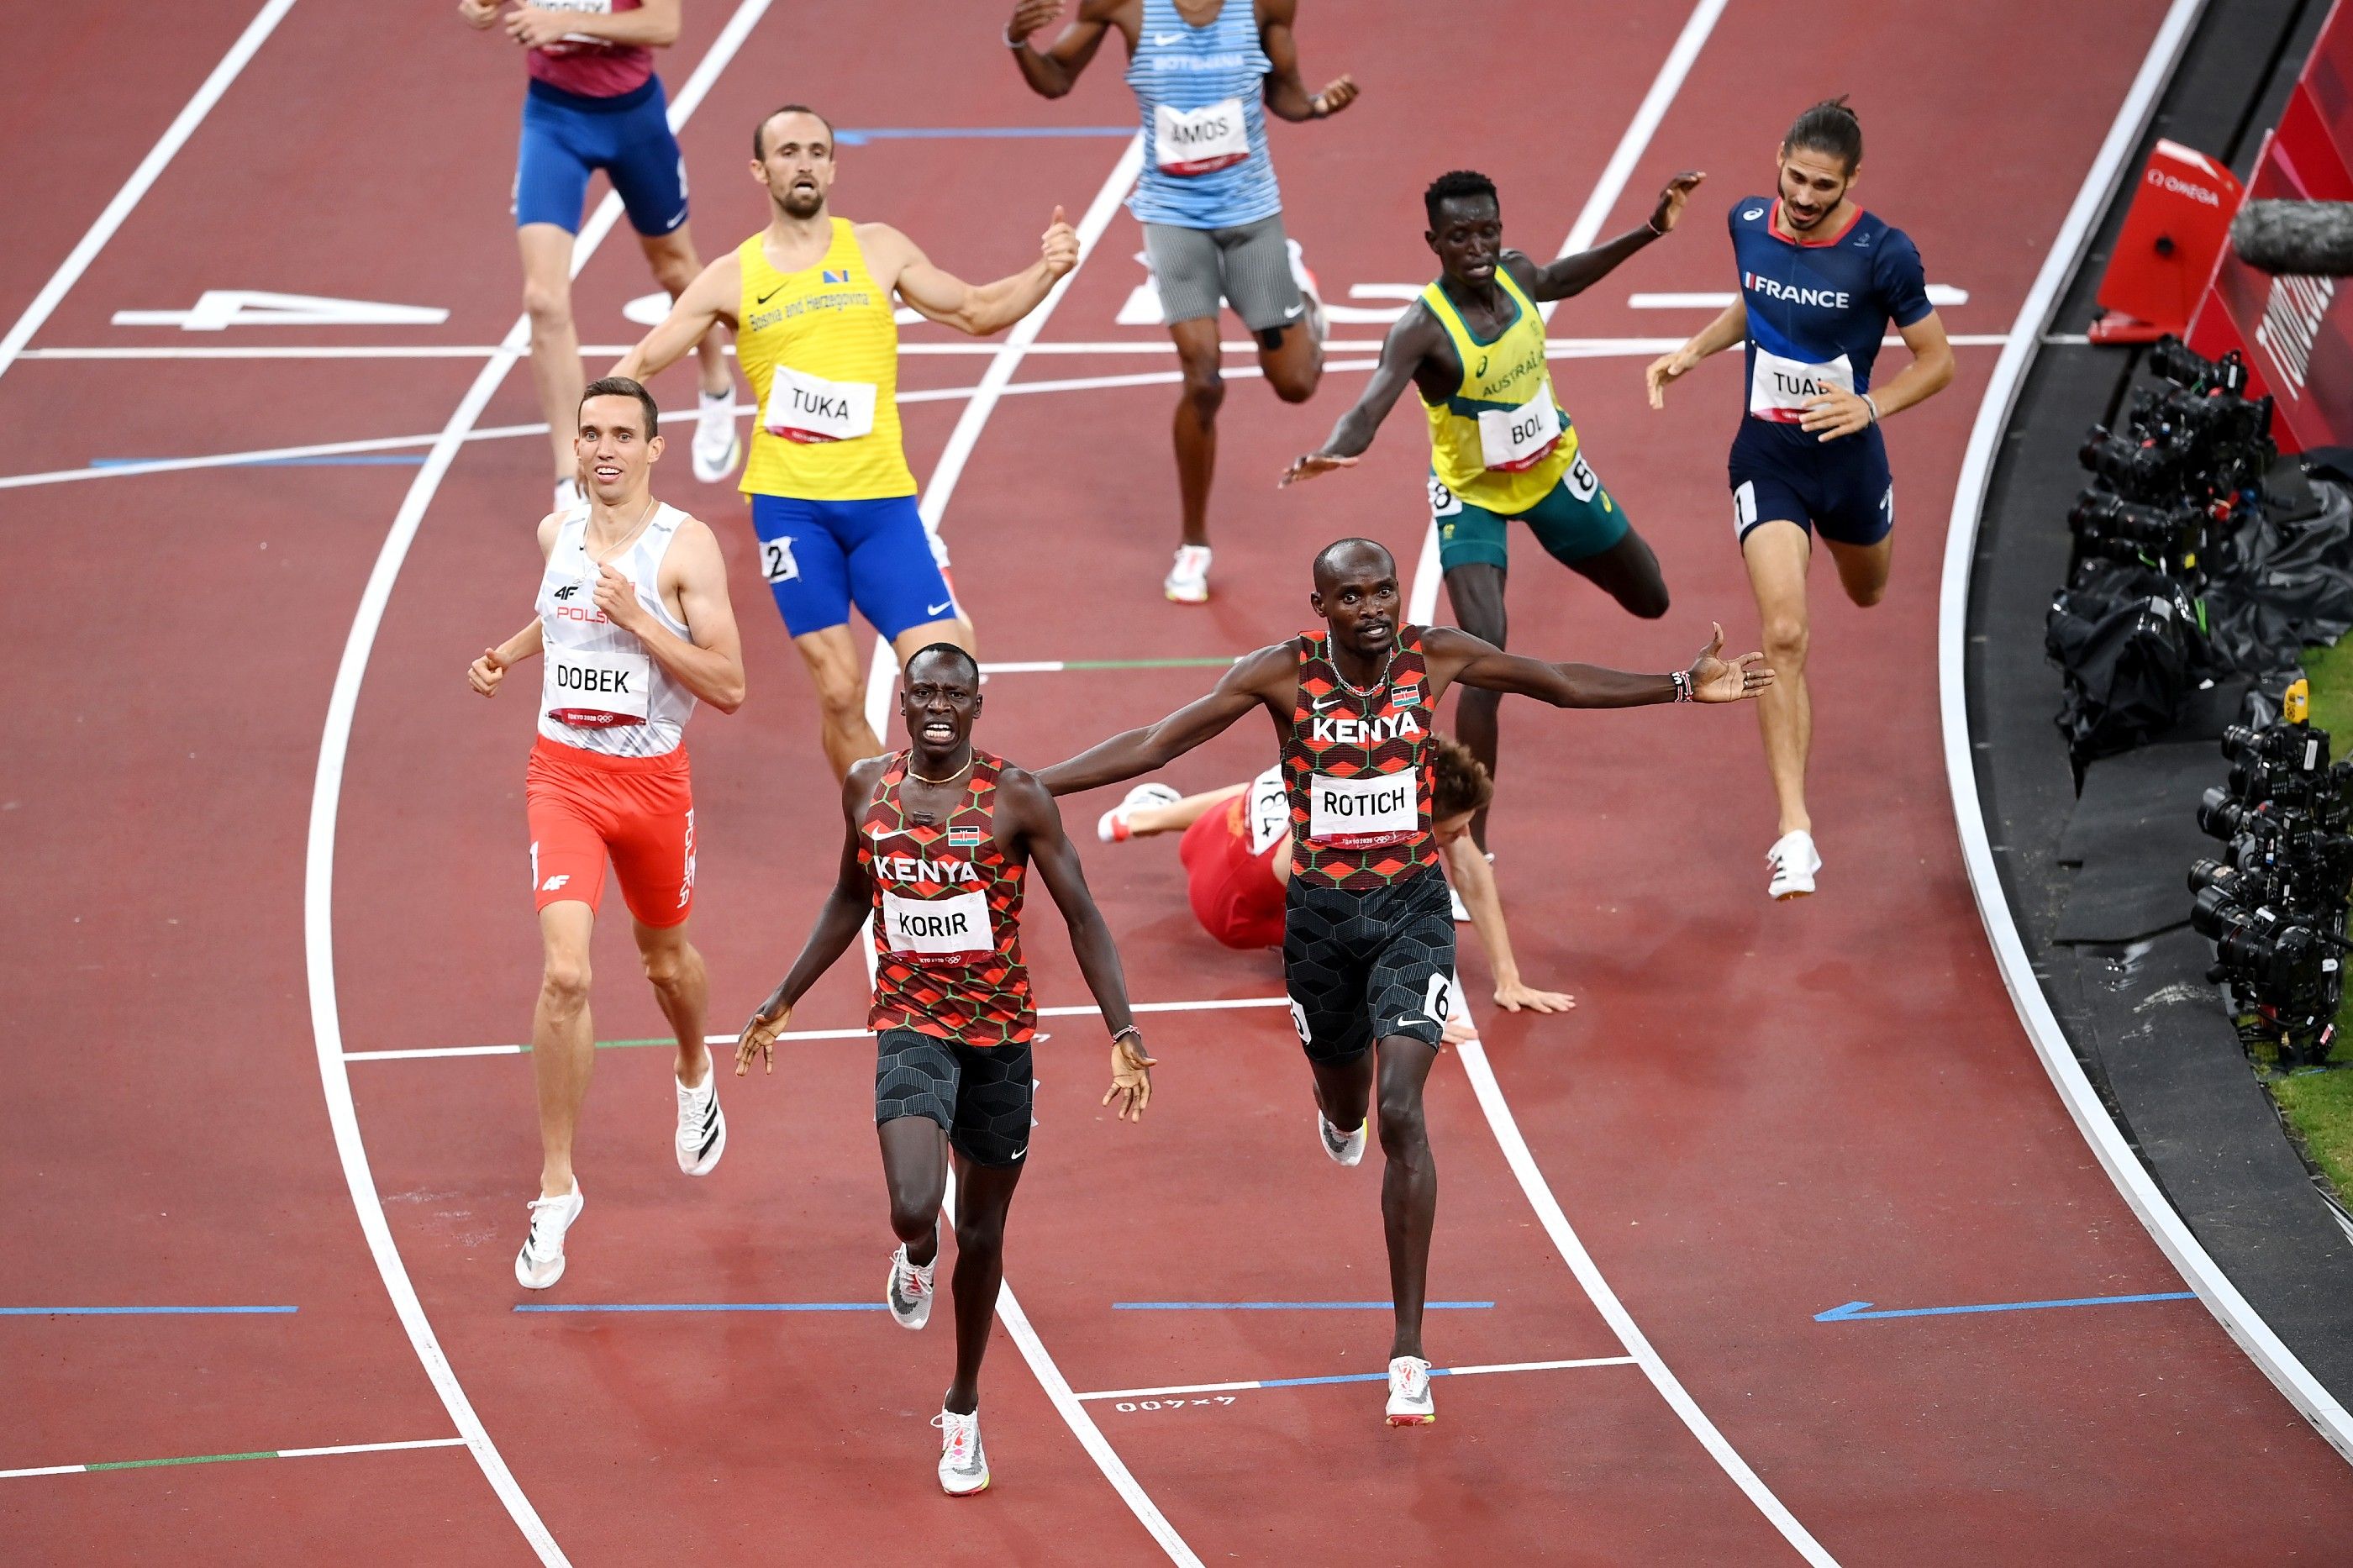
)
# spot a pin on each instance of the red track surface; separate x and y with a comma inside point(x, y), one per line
point(1756, 1113)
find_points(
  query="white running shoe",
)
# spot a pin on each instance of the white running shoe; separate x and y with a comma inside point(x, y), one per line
point(568, 495)
point(541, 1262)
point(908, 1292)
point(1347, 1148)
point(1187, 581)
point(701, 1125)
point(1111, 826)
point(1794, 862)
point(717, 447)
point(1409, 1401)
point(1305, 279)
point(964, 1465)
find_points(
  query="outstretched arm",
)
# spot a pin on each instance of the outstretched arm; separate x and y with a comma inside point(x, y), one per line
point(714, 295)
point(1576, 274)
point(1409, 342)
point(1475, 880)
point(1252, 682)
point(1053, 71)
point(846, 908)
point(1456, 655)
point(1287, 97)
point(978, 309)
point(1728, 329)
point(1040, 824)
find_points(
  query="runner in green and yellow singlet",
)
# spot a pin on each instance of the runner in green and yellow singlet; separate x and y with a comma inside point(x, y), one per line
point(1500, 446)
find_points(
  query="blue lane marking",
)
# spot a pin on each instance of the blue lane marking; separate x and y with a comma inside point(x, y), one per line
point(344, 461)
point(1290, 1307)
point(858, 138)
point(703, 1307)
point(1856, 1310)
point(126, 1312)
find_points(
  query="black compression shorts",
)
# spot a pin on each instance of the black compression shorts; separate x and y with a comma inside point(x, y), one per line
point(980, 1095)
point(1361, 967)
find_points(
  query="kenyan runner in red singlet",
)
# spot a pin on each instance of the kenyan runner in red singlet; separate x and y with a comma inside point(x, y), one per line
point(1369, 943)
point(941, 839)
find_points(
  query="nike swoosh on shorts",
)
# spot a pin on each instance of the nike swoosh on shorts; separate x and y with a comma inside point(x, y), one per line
point(939, 609)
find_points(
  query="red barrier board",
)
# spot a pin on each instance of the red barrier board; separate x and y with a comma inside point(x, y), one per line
point(2179, 219)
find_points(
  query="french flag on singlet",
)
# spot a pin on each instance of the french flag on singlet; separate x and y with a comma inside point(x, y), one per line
point(1817, 308)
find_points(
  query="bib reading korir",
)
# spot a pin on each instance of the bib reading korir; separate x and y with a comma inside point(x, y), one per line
point(947, 913)
point(1355, 765)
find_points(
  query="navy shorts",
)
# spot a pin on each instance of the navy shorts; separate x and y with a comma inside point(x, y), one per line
point(821, 556)
point(566, 137)
point(1842, 489)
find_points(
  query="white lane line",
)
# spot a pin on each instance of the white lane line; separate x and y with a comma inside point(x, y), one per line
point(175, 136)
point(1422, 602)
point(2140, 1192)
point(882, 675)
point(1560, 348)
point(220, 1459)
point(1072, 1011)
point(1358, 1377)
point(319, 870)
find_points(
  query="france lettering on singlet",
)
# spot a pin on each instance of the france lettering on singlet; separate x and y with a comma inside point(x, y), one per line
point(1818, 310)
point(1201, 93)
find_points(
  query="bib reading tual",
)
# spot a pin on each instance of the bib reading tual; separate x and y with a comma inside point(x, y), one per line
point(596, 690)
point(937, 931)
point(809, 408)
point(1361, 814)
point(1196, 140)
point(1780, 388)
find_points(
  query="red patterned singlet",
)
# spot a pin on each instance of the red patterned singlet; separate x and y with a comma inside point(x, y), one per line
point(1356, 766)
point(947, 913)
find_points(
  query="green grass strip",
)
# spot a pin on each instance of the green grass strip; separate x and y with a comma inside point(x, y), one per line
point(1145, 663)
point(191, 1459)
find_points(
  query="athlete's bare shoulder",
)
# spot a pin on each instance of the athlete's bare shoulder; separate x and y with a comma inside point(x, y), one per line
point(1271, 672)
point(857, 784)
point(1276, 13)
point(1127, 16)
point(1520, 265)
point(548, 527)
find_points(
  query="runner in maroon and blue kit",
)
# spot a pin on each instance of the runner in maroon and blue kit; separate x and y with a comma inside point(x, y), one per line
point(595, 103)
point(1820, 280)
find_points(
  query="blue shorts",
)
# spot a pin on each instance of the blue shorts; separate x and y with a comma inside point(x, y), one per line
point(567, 137)
point(1842, 489)
point(820, 555)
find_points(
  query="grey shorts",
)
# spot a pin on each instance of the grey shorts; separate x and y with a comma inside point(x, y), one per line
point(1249, 267)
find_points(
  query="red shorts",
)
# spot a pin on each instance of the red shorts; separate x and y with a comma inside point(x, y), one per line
point(584, 806)
point(1234, 893)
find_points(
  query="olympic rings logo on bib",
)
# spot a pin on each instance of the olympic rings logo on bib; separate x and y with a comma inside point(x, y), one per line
point(1186, 141)
point(1512, 439)
point(808, 408)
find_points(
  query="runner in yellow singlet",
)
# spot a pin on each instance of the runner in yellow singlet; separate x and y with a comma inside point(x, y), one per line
point(833, 502)
point(1500, 446)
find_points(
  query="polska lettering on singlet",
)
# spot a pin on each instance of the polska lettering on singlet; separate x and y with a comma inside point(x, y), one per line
point(1187, 141)
point(1362, 813)
point(597, 690)
point(1780, 389)
point(1512, 439)
point(808, 408)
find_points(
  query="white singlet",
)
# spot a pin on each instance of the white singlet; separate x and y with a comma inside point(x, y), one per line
point(600, 690)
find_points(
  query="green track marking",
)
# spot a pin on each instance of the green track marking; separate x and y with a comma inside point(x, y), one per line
point(191, 1459)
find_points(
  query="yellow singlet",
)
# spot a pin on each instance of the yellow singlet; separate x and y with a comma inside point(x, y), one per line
point(1504, 378)
point(823, 341)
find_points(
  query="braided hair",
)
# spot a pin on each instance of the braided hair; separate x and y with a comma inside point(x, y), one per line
point(1829, 126)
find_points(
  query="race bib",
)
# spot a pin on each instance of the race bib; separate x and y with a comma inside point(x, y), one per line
point(1196, 140)
point(572, 43)
point(596, 690)
point(937, 931)
point(1780, 388)
point(1269, 810)
point(809, 408)
point(1362, 813)
point(1511, 439)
